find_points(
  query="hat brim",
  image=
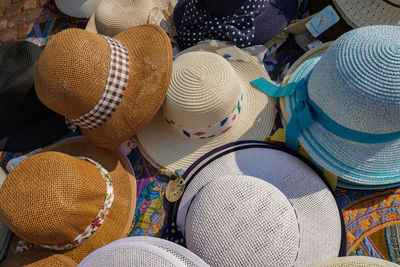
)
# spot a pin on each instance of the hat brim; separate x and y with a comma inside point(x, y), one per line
point(166, 148)
point(352, 261)
point(77, 8)
point(322, 233)
point(38, 258)
point(119, 220)
point(368, 165)
point(30, 137)
point(91, 24)
point(373, 12)
point(150, 54)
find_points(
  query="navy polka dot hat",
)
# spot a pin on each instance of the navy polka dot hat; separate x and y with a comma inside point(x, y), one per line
point(245, 23)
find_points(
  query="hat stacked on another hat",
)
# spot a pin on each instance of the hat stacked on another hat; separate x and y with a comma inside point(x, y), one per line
point(84, 198)
point(77, 8)
point(240, 208)
point(109, 87)
point(244, 22)
point(343, 106)
point(25, 123)
point(142, 251)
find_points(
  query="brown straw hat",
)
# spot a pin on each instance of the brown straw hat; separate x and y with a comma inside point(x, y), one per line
point(54, 197)
point(38, 258)
point(74, 76)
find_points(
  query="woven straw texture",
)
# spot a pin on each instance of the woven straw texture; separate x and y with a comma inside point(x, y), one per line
point(203, 90)
point(136, 252)
point(319, 230)
point(356, 84)
point(69, 193)
point(77, 8)
point(354, 261)
point(360, 13)
point(73, 70)
point(38, 258)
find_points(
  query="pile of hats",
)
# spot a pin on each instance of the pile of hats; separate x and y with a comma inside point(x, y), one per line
point(177, 76)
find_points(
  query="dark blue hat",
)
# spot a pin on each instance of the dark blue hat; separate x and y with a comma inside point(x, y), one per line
point(244, 22)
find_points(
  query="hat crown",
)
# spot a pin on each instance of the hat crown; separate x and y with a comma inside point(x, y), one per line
point(357, 81)
point(60, 195)
point(203, 91)
point(235, 215)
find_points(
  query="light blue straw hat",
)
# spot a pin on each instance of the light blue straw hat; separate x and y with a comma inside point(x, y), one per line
point(343, 106)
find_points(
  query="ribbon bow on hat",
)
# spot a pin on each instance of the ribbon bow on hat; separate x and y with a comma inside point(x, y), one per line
point(199, 24)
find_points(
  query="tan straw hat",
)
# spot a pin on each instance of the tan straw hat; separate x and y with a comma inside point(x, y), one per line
point(110, 87)
point(354, 261)
point(113, 17)
point(37, 258)
point(73, 198)
point(360, 13)
point(210, 102)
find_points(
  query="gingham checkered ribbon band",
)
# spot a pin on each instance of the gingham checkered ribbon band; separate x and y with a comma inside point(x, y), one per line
point(113, 93)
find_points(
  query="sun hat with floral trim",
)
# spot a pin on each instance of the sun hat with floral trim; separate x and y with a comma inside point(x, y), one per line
point(73, 198)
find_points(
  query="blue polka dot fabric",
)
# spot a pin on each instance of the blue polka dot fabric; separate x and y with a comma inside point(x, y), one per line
point(239, 27)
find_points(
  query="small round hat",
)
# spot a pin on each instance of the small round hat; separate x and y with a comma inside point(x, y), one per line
point(77, 8)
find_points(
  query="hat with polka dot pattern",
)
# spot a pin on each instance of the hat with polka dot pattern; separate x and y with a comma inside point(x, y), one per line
point(253, 22)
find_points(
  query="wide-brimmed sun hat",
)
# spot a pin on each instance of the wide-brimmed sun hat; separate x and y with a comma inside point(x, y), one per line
point(74, 198)
point(113, 17)
point(77, 8)
point(241, 208)
point(143, 251)
point(343, 106)
point(25, 123)
point(244, 22)
point(38, 258)
point(109, 87)
point(210, 102)
point(354, 261)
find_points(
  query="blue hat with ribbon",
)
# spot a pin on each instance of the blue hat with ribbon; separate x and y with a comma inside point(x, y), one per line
point(245, 23)
point(343, 106)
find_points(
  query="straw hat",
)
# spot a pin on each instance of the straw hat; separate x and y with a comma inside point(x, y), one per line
point(354, 261)
point(210, 102)
point(352, 94)
point(24, 121)
point(77, 8)
point(113, 17)
point(76, 209)
point(142, 251)
point(38, 258)
point(109, 106)
point(245, 23)
point(240, 208)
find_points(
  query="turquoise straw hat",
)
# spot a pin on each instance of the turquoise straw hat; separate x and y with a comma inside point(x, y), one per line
point(343, 106)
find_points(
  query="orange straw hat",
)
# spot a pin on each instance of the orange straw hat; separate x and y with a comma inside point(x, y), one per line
point(38, 258)
point(109, 87)
point(73, 198)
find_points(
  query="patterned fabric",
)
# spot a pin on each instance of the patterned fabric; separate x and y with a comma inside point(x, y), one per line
point(117, 81)
point(199, 24)
point(211, 130)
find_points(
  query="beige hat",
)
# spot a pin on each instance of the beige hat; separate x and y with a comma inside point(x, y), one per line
point(354, 261)
point(210, 102)
point(113, 17)
point(360, 13)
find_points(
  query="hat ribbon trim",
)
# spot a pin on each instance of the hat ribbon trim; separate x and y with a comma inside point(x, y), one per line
point(306, 113)
point(117, 81)
point(96, 223)
point(391, 3)
point(211, 130)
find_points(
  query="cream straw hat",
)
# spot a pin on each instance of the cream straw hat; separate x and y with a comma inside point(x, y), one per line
point(210, 102)
point(354, 261)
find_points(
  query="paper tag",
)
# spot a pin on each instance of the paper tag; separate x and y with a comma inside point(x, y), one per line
point(322, 21)
point(175, 189)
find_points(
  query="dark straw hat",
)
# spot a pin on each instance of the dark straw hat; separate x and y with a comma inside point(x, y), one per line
point(25, 123)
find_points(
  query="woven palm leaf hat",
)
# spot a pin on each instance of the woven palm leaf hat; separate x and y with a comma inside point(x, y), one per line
point(354, 261)
point(25, 123)
point(342, 105)
point(244, 22)
point(240, 208)
point(113, 17)
point(38, 258)
point(210, 102)
point(143, 251)
point(110, 87)
point(85, 197)
point(77, 8)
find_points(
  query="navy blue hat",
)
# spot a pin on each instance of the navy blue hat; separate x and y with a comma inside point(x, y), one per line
point(244, 22)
